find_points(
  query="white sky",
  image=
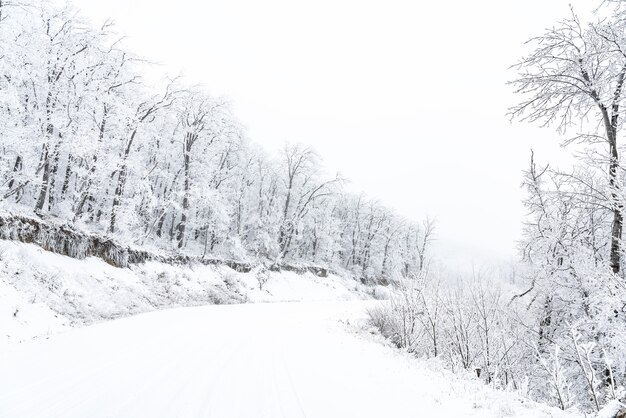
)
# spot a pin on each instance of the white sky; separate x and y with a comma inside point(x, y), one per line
point(407, 99)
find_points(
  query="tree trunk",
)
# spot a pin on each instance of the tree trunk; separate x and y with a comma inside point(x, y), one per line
point(68, 174)
point(53, 174)
point(45, 164)
point(17, 167)
point(618, 219)
point(117, 197)
point(87, 197)
point(121, 183)
point(159, 230)
point(610, 125)
point(189, 140)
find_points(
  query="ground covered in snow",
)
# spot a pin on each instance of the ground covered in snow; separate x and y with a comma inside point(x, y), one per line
point(307, 355)
point(42, 293)
point(249, 360)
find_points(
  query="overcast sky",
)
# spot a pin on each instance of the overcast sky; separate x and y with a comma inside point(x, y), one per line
point(407, 99)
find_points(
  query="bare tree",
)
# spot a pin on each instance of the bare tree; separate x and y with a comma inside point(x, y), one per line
point(424, 239)
point(145, 111)
point(575, 76)
point(193, 119)
point(66, 43)
point(303, 186)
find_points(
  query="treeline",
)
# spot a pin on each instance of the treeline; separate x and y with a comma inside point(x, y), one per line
point(85, 140)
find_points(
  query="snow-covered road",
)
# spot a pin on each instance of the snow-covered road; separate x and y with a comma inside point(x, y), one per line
point(254, 360)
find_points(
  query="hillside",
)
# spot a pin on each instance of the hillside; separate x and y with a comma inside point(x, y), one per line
point(42, 293)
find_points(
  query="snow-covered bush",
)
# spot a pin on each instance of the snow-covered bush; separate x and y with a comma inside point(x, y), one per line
point(467, 324)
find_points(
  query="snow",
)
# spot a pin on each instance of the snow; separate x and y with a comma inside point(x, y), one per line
point(289, 286)
point(21, 319)
point(611, 409)
point(42, 293)
point(310, 357)
point(248, 360)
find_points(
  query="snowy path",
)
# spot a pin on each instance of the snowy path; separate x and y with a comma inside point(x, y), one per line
point(256, 360)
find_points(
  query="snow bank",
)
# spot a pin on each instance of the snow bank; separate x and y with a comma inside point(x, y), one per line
point(21, 319)
point(43, 292)
point(611, 410)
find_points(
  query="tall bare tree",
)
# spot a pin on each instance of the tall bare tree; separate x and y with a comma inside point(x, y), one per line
point(575, 77)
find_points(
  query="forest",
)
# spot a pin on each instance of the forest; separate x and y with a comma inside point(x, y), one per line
point(166, 166)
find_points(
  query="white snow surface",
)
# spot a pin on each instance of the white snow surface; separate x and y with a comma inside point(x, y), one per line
point(611, 409)
point(249, 360)
point(42, 293)
point(312, 357)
